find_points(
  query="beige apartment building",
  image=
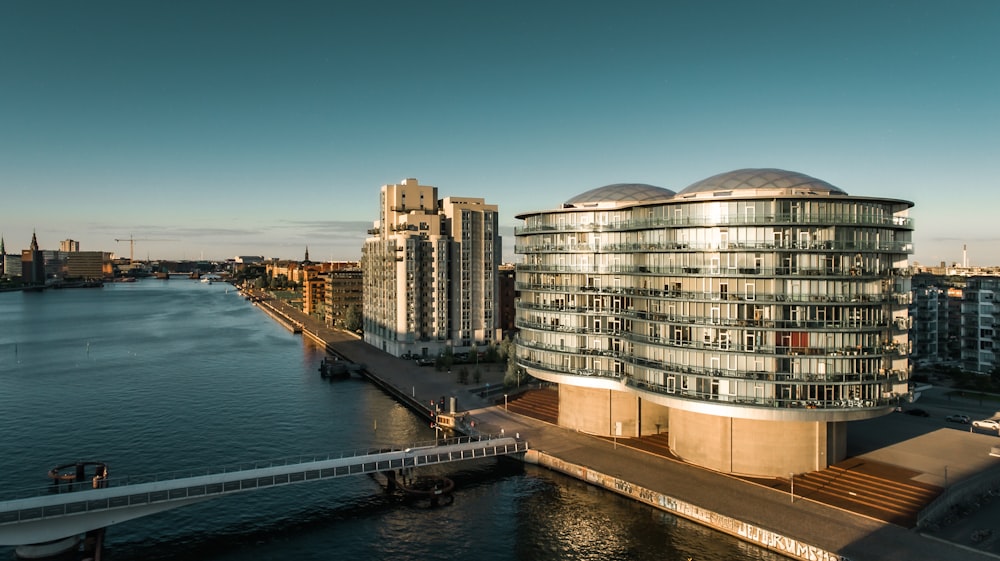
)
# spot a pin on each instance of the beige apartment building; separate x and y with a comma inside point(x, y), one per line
point(750, 315)
point(429, 270)
point(344, 289)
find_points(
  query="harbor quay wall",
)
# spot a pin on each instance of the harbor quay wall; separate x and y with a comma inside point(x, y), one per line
point(750, 533)
point(276, 315)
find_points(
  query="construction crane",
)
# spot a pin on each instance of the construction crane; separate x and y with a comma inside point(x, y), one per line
point(131, 244)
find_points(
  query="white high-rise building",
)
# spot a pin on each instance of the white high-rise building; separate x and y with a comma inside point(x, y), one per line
point(430, 272)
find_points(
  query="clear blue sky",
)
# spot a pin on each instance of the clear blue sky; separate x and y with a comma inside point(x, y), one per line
point(216, 129)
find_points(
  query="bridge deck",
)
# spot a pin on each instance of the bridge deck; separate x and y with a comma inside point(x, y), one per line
point(51, 516)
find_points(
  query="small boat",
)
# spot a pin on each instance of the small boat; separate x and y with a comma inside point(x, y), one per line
point(445, 421)
point(428, 490)
point(333, 368)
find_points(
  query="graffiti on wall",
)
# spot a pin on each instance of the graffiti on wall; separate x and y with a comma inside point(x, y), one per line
point(747, 532)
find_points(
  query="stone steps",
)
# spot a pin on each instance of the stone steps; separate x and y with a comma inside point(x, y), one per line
point(877, 490)
point(541, 404)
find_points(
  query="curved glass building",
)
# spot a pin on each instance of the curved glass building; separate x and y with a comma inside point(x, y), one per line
point(749, 315)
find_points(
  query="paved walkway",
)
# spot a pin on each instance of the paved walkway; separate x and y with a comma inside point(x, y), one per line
point(850, 535)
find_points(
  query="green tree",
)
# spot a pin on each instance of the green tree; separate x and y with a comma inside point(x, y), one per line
point(506, 348)
point(514, 374)
point(491, 353)
point(352, 318)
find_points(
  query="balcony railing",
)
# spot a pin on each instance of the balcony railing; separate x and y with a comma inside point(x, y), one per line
point(732, 346)
point(847, 219)
point(698, 295)
point(709, 271)
point(879, 382)
point(734, 246)
point(668, 319)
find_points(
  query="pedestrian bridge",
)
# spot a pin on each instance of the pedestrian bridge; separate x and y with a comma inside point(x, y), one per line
point(60, 511)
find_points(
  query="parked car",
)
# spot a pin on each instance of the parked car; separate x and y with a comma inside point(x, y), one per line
point(425, 361)
point(917, 412)
point(958, 418)
point(991, 424)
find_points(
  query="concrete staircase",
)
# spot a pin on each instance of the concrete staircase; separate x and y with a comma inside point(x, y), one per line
point(541, 404)
point(881, 491)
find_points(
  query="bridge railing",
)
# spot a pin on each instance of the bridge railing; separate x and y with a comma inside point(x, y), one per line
point(28, 514)
point(131, 479)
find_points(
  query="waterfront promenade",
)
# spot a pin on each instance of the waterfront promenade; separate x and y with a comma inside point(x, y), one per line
point(840, 533)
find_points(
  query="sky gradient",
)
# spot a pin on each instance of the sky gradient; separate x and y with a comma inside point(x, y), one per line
point(214, 129)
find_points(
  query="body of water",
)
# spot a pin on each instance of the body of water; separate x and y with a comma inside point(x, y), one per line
point(158, 376)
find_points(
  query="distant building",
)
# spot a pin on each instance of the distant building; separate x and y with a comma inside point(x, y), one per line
point(11, 265)
point(344, 289)
point(749, 316)
point(290, 271)
point(429, 270)
point(313, 291)
point(68, 246)
point(33, 264)
point(929, 319)
point(936, 319)
point(88, 265)
point(508, 297)
point(980, 342)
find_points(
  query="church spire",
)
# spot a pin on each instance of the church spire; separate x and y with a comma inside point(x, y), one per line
point(307, 254)
point(34, 242)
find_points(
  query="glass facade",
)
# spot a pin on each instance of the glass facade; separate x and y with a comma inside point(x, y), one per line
point(775, 299)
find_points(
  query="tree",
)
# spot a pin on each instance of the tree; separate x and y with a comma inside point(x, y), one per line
point(352, 318)
point(506, 348)
point(491, 353)
point(514, 373)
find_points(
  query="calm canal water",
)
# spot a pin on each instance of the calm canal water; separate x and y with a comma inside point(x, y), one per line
point(159, 376)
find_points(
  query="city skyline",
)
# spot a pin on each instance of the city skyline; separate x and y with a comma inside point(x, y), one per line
point(258, 128)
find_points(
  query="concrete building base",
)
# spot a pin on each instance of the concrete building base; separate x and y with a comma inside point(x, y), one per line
point(758, 448)
point(724, 444)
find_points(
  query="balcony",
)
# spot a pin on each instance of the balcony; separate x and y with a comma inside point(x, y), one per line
point(833, 219)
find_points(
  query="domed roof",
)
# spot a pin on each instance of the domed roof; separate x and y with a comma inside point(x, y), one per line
point(620, 194)
point(762, 179)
